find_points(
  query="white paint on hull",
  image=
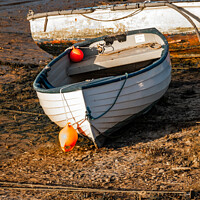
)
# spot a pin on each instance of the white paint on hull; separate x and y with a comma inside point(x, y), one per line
point(76, 26)
point(127, 104)
point(65, 107)
point(73, 105)
point(142, 87)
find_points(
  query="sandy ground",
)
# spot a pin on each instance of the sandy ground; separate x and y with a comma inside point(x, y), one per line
point(158, 154)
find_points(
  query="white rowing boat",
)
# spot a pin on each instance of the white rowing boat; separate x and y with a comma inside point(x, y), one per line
point(108, 88)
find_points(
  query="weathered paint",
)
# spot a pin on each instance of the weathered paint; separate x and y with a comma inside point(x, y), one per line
point(183, 46)
point(183, 41)
point(77, 27)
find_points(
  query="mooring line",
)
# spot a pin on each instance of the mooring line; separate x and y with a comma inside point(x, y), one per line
point(26, 186)
point(195, 120)
point(117, 19)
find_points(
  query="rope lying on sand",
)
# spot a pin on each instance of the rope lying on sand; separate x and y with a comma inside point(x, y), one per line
point(26, 186)
point(40, 114)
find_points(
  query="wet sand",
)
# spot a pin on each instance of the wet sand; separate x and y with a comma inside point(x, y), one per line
point(157, 152)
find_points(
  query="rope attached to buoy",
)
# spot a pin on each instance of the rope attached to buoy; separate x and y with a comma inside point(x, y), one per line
point(78, 123)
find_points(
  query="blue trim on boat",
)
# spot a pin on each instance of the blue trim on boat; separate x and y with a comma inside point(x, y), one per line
point(101, 81)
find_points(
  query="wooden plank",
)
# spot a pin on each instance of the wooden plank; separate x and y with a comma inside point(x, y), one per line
point(126, 58)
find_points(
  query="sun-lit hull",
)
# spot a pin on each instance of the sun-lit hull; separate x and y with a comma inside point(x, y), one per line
point(98, 107)
point(80, 24)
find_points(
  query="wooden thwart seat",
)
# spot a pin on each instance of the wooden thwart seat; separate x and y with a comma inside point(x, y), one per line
point(121, 58)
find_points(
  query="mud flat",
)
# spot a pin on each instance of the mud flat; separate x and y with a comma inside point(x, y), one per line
point(158, 156)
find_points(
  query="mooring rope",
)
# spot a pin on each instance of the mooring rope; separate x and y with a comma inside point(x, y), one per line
point(185, 14)
point(89, 115)
point(65, 100)
point(117, 19)
point(28, 186)
point(78, 123)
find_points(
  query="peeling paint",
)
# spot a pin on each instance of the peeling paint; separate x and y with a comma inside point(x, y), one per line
point(183, 42)
point(77, 27)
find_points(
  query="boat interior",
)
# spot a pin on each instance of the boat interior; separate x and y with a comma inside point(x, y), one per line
point(113, 56)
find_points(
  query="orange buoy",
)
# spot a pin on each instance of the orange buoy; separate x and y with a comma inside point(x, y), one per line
point(68, 137)
point(76, 55)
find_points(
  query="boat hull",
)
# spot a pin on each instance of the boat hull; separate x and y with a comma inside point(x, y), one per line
point(99, 107)
point(62, 27)
point(138, 94)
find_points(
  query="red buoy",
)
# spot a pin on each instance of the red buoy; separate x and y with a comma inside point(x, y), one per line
point(76, 55)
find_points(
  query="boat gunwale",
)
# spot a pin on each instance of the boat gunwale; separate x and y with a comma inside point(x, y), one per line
point(100, 81)
point(115, 7)
point(122, 95)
